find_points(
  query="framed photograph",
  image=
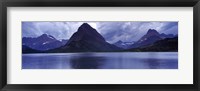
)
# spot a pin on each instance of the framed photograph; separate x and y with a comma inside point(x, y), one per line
point(86, 44)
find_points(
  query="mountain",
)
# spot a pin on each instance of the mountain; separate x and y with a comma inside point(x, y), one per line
point(26, 49)
point(124, 45)
point(150, 37)
point(43, 42)
point(164, 45)
point(86, 39)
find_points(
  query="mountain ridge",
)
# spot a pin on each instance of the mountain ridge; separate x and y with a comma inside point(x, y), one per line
point(150, 37)
point(42, 42)
point(164, 45)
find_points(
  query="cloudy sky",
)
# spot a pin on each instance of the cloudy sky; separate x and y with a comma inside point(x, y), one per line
point(111, 31)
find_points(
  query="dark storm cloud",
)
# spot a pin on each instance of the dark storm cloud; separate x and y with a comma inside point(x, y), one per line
point(118, 30)
point(28, 29)
point(170, 27)
point(132, 31)
point(60, 30)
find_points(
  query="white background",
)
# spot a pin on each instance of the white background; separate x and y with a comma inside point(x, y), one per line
point(182, 75)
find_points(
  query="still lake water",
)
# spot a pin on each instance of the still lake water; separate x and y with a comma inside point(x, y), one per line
point(115, 60)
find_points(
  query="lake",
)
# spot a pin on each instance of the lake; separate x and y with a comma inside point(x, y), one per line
point(107, 60)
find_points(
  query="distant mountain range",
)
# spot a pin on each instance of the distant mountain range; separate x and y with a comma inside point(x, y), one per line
point(87, 39)
point(150, 37)
point(43, 42)
point(124, 45)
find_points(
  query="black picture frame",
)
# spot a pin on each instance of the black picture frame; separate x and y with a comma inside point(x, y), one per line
point(98, 3)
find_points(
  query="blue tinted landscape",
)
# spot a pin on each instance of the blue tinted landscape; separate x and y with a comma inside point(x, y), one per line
point(99, 45)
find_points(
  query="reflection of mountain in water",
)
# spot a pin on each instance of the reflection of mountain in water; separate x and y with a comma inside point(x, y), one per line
point(126, 60)
point(86, 61)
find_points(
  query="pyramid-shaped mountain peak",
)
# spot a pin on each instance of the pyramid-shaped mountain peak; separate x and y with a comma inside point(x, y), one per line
point(87, 39)
point(85, 27)
point(44, 35)
point(86, 32)
point(85, 24)
point(152, 31)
